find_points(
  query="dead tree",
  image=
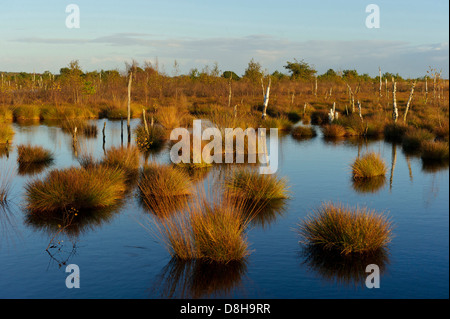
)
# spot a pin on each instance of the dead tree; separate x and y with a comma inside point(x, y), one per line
point(394, 101)
point(266, 100)
point(409, 101)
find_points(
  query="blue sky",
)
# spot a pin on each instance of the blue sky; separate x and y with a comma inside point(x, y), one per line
point(413, 35)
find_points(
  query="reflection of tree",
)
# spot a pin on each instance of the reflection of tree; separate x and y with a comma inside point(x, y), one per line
point(199, 279)
point(344, 270)
point(393, 162)
point(369, 185)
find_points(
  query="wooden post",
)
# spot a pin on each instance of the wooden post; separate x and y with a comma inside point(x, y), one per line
point(409, 101)
point(104, 134)
point(129, 107)
point(75, 141)
point(121, 129)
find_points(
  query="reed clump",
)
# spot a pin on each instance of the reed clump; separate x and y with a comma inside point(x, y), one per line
point(368, 166)
point(6, 134)
point(125, 158)
point(28, 154)
point(248, 184)
point(346, 230)
point(435, 151)
point(333, 131)
point(158, 181)
point(394, 132)
point(413, 139)
point(154, 139)
point(208, 231)
point(303, 132)
point(78, 188)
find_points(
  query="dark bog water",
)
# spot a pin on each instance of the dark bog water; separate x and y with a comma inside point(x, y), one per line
point(119, 258)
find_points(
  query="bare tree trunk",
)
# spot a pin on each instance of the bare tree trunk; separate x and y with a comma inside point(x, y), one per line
point(266, 100)
point(409, 101)
point(145, 122)
point(315, 86)
point(381, 82)
point(360, 111)
point(394, 102)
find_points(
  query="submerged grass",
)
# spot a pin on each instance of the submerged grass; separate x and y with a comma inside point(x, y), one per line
point(346, 230)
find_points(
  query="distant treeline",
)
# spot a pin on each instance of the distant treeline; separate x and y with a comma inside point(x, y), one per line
point(75, 86)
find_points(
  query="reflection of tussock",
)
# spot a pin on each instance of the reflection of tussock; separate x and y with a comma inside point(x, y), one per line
point(340, 269)
point(264, 213)
point(32, 168)
point(369, 185)
point(8, 224)
point(199, 279)
point(433, 166)
point(71, 226)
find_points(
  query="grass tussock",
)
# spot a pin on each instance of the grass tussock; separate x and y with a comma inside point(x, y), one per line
point(125, 158)
point(435, 151)
point(345, 230)
point(208, 231)
point(394, 132)
point(154, 139)
point(250, 185)
point(413, 139)
point(6, 134)
point(302, 132)
point(76, 188)
point(33, 154)
point(368, 166)
point(159, 181)
point(333, 131)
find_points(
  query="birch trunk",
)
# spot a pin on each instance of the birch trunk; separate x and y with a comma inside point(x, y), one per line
point(394, 102)
point(266, 100)
point(409, 101)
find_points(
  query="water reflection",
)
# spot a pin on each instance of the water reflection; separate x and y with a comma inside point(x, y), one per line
point(70, 225)
point(264, 213)
point(340, 269)
point(199, 279)
point(434, 166)
point(32, 168)
point(369, 185)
